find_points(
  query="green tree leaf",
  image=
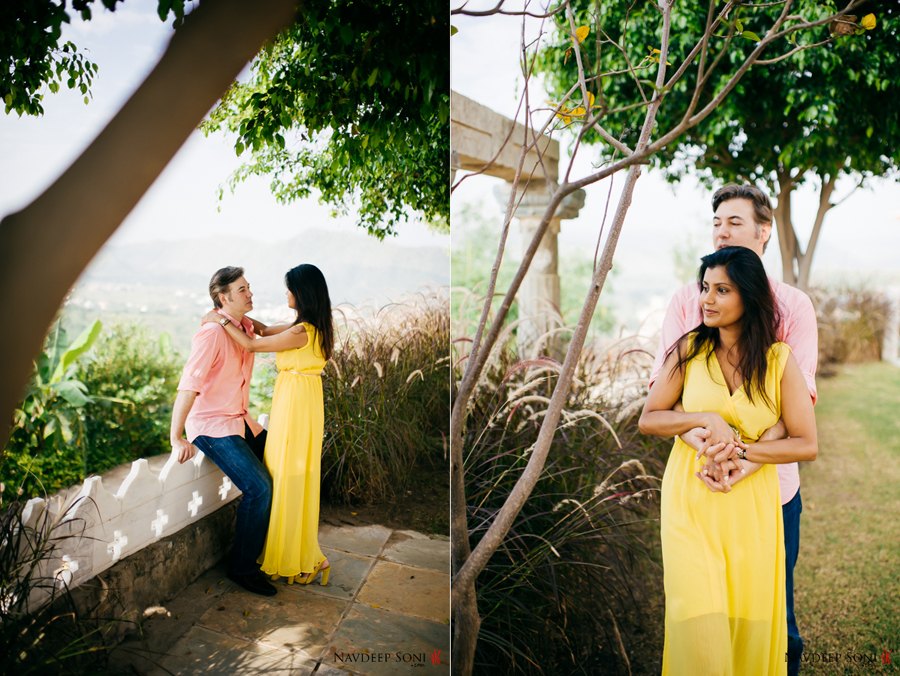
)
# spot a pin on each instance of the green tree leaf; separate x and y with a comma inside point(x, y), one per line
point(81, 345)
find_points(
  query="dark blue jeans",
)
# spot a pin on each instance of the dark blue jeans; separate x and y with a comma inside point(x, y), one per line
point(791, 516)
point(235, 456)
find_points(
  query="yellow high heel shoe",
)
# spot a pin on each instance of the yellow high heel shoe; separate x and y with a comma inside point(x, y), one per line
point(289, 579)
point(324, 567)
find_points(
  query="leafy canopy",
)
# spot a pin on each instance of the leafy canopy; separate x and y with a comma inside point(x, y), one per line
point(351, 101)
point(820, 111)
point(31, 55)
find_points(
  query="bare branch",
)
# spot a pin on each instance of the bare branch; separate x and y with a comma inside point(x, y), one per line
point(584, 92)
point(612, 140)
point(501, 524)
point(850, 194)
point(498, 9)
point(799, 48)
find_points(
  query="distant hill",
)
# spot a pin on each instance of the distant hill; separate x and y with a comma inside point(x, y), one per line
point(164, 284)
point(358, 268)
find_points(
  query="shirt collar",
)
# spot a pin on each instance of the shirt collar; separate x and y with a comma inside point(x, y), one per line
point(245, 323)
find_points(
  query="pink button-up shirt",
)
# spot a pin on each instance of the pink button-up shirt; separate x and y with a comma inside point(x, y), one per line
point(797, 328)
point(219, 370)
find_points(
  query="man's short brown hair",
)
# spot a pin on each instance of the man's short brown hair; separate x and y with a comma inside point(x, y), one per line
point(220, 282)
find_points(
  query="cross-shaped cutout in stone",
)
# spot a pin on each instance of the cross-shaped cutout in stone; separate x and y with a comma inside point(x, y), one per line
point(159, 523)
point(225, 488)
point(115, 547)
point(66, 571)
point(194, 504)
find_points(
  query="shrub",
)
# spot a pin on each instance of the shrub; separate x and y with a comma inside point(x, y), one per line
point(852, 325)
point(88, 411)
point(133, 379)
point(559, 595)
point(47, 446)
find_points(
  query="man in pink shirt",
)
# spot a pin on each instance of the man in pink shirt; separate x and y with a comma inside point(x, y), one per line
point(211, 407)
point(743, 217)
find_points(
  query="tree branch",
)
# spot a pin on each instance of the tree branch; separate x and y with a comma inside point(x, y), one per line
point(49, 243)
point(800, 48)
point(501, 524)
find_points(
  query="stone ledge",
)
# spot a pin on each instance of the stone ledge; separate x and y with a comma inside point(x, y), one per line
point(117, 598)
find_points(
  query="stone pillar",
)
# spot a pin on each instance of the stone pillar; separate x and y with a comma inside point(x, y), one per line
point(539, 296)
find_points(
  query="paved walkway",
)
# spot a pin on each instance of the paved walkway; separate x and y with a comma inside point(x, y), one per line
point(386, 610)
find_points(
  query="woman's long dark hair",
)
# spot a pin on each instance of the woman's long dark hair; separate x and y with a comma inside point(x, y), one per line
point(758, 322)
point(307, 283)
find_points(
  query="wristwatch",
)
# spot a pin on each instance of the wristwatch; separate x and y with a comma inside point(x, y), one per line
point(224, 321)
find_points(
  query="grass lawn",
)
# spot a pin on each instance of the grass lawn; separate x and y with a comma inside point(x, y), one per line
point(847, 583)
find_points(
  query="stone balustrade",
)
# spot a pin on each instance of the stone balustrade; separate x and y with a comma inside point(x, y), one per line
point(102, 523)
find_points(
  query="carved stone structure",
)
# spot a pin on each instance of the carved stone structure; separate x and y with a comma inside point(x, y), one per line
point(485, 141)
point(157, 498)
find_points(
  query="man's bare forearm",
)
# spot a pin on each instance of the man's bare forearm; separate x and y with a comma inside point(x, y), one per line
point(180, 409)
point(775, 432)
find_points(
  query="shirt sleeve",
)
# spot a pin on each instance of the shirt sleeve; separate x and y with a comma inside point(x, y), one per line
point(674, 326)
point(801, 332)
point(205, 347)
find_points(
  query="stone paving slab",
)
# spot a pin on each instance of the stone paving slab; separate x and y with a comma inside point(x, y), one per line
point(365, 540)
point(290, 620)
point(405, 589)
point(378, 641)
point(348, 573)
point(203, 651)
point(385, 610)
point(416, 549)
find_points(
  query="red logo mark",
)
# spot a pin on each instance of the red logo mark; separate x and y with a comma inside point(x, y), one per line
point(436, 657)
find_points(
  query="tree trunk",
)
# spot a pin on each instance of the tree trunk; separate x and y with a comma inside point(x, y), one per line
point(805, 262)
point(787, 237)
point(466, 625)
point(466, 622)
point(46, 246)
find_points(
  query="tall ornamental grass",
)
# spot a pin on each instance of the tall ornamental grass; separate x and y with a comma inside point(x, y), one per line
point(565, 591)
point(387, 393)
point(43, 630)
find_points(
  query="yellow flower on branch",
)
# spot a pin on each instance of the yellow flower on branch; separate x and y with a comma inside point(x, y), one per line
point(868, 22)
point(564, 114)
point(581, 33)
point(654, 56)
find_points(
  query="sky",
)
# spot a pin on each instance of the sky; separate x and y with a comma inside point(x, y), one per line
point(182, 203)
point(859, 241)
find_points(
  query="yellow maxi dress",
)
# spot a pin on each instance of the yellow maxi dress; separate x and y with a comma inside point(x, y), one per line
point(723, 553)
point(293, 457)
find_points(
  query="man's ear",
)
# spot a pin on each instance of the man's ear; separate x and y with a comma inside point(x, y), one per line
point(765, 231)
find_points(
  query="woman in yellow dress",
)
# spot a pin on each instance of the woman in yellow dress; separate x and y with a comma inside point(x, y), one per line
point(296, 424)
point(723, 552)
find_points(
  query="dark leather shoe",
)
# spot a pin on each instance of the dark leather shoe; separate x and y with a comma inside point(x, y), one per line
point(253, 582)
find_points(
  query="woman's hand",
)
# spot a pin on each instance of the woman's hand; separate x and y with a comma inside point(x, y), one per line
point(211, 316)
point(722, 477)
point(719, 430)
